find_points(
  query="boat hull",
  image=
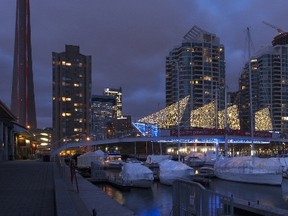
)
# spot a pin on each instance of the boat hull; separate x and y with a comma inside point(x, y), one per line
point(142, 183)
point(168, 178)
point(258, 178)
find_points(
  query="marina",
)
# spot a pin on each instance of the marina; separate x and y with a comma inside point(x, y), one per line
point(157, 200)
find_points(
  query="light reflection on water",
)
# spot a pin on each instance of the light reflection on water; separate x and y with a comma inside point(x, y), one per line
point(157, 200)
point(276, 196)
point(154, 201)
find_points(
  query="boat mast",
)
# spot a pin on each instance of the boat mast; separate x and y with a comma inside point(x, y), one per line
point(225, 123)
point(178, 108)
point(250, 94)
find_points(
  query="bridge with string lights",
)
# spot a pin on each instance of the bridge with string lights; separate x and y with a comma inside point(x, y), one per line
point(203, 129)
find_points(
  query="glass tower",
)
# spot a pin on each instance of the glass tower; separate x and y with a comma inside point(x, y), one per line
point(196, 68)
point(269, 69)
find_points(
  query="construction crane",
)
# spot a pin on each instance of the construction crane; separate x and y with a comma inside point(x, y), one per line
point(279, 30)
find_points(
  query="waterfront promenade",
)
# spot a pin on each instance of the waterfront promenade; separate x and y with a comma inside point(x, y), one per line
point(36, 188)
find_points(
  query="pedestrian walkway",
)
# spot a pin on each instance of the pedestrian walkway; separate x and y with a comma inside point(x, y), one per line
point(26, 188)
point(94, 199)
point(36, 188)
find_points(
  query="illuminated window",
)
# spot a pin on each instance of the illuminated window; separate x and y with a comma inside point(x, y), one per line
point(77, 129)
point(44, 139)
point(207, 78)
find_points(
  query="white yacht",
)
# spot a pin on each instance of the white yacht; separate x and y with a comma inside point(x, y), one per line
point(170, 170)
point(85, 160)
point(113, 161)
point(249, 169)
point(136, 175)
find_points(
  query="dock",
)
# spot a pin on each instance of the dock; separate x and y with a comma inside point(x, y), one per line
point(256, 208)
point(93, 198)
point(207, 202)
point(202, 180)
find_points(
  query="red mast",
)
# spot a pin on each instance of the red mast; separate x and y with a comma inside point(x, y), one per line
point(22, 98)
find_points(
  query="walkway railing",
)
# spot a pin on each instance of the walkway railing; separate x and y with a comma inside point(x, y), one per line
point(191, 198)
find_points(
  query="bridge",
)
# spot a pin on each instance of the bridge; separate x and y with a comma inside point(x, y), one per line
point(215, 139)
point(208, 128)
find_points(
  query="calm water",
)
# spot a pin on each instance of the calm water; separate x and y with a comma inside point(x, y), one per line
point(275, 196)
point(158, 200)
point(144, 202)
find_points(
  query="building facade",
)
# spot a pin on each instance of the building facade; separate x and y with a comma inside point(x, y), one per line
point(117, 93)
point(269, 70)
point(196, 68)
point(102, 113)
point(71, 95)
point(22, 98)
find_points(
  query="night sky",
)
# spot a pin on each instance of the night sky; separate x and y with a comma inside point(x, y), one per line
point(129, 40)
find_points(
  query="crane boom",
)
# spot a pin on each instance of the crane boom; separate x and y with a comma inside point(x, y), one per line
point(279, 30)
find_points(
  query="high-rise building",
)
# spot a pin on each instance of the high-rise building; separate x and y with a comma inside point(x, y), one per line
point(22, 98)
point(117, 93)
point(196, 68)
point(269, 76)
point(71, 94)
point(102, 112)
point(244, 94)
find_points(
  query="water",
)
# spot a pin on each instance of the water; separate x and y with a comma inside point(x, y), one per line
point(274, 196)
point(158, 200)
point(154, 201)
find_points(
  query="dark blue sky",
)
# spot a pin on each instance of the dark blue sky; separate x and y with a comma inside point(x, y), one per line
point(129, 40)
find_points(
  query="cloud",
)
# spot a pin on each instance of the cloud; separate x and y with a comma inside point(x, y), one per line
point(128, 41)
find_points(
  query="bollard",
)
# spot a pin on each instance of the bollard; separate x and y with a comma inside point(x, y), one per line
point(94, 212)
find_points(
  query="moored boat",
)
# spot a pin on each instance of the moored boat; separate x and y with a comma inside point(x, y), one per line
point(136, 175)
point(206, 172)
point(113, 161)
point(249, 169)
point(85, 160)
point(194, 161)
point(170, 170)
